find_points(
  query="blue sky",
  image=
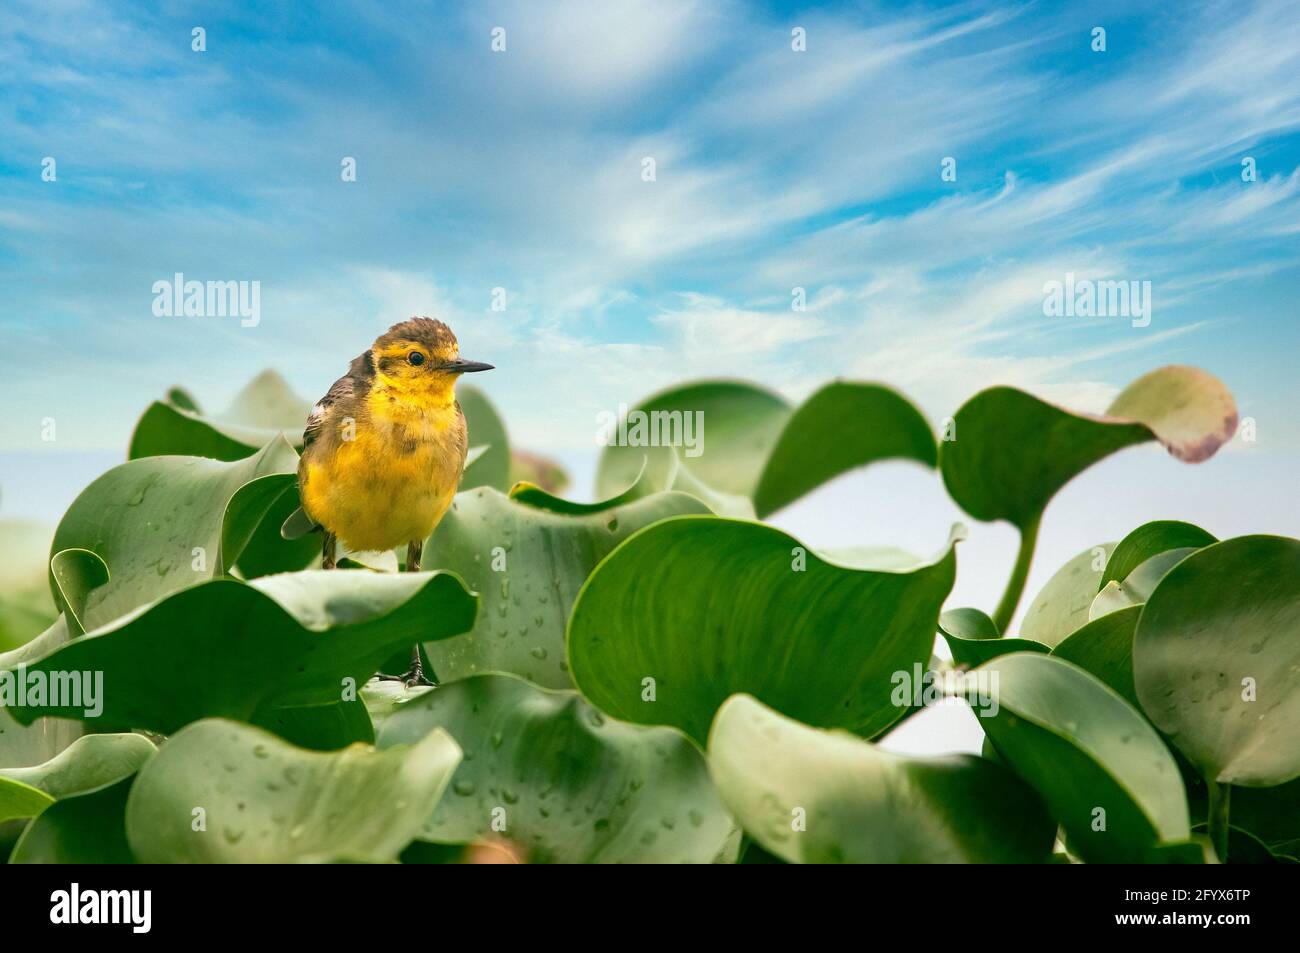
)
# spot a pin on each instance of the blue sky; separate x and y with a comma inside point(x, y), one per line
point(522, 170)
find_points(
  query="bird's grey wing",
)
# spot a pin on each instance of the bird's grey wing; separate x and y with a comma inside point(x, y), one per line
point(339, 390)
point(351, 384)
point(355, 381)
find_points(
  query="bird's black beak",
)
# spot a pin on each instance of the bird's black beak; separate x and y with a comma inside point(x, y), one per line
point(466, 367)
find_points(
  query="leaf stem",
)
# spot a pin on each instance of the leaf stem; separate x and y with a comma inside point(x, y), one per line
point(1019, 573)
point(1220, 795)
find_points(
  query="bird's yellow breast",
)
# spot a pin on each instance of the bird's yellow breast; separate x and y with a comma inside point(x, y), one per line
point(389, 481)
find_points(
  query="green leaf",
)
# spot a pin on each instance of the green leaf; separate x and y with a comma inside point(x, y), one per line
point(1012, 452)
point(753, 445)
point(230, 649)
point(1151, 539)
point(267, 552)
point(973, 638)
point(741, 425)
point(528, 563)
point(320, 727)
point(486, 429)
point(1226, 614)
point(1063, 604)
point(841, 427)
point(1137, 585)
point(568, 784)
point(266, 801)
point(1104, 648)
point(813, 796)
point(1245, 848)
point(75, 574)
point(695, 609)
point(384, 698)
point(86, 828)
point(1085, 749)
point(164, 523)
point(19, 800)
point(89, 763)
point(1271, 814)
point(25, 745)
point(265, 408)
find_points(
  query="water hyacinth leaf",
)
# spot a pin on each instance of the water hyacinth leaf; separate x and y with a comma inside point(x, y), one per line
point(695, 609)
point(1151, 539)
point(843, 426)
point(1013, 451)
point(268, 552)
point(1104, 773)
point(75, 574)
point(1063, 604)
point(547, 772)
point(528, 563)
point(25, 745)
point(320, 727)
point(161, 524)
point(1271, 814)
point(267, 801)
point(88, 764)
point(1245, 848)
point(231, 649)
point(1216, 659)
point(753, 453)
point(486, 430)
point(733, 426)
point(970, 624)
point(1137, 585)
point(538, 497)
point(814, 796)
point(264, 408)
point(1104, 649)
point(385, 698)
point(973, 638)
point(86, 828)
point(19, 800)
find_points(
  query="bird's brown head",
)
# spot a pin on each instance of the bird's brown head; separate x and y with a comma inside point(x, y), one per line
point(420, 356)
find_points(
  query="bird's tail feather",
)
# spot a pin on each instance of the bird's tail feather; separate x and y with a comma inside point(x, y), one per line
point(298, 525)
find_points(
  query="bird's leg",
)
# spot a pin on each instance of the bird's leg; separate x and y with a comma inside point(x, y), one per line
point(327, 551)
point(415, 674)
point(414, 550)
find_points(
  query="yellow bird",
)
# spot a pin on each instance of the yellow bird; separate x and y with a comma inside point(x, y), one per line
point(384, 449)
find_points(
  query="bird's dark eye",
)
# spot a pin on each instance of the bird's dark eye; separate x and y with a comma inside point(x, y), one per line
point(416, 358)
